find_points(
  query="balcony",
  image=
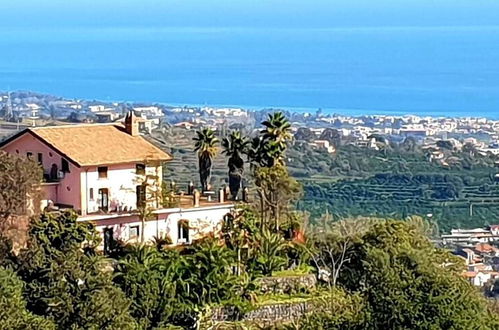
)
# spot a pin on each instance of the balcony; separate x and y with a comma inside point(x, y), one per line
point(53, 176)
point(175, 203)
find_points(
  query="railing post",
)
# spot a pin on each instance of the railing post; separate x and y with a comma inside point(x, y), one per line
point(226, 192)
point(221, 195)
point(196, 197)
point(245, 194)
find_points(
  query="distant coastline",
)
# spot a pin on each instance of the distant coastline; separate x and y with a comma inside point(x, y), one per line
point(493, 115)
point(352, 112)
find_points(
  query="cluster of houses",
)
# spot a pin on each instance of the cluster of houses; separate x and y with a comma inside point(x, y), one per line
point(480, 133)
point(479, 250)
point(107, 172)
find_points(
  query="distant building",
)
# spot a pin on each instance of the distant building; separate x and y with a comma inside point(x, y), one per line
point(470, 236)
point(106, 116)
point(323, 145)
point(96, 108)
point(149, 111)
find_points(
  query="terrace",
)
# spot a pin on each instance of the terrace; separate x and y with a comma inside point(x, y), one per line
point(175, 202)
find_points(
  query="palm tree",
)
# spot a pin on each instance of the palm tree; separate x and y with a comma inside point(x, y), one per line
point(276, 134)
point(277, 128)
point(206, 147)
point(234, 147)
point(270, 251)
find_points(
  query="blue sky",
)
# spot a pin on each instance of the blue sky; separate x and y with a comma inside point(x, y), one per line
point(277, 13)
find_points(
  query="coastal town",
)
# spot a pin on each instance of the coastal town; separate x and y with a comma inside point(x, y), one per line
point(23, 109)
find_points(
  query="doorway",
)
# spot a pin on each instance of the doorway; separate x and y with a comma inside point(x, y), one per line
point(104, 199)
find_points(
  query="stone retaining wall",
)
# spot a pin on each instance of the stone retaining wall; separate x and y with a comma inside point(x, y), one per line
point(266, 314)
point(287, 284)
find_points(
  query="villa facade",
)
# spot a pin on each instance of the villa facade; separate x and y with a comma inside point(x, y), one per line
point(108, 174)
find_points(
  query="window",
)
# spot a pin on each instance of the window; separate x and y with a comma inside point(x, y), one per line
point(64, 165)
point(29, 155)
point(40, 158)
point(91, 194)
point(104, 199)
point(140, 169)
point(134, 232)
point(54, 172)
point(140, 191)
point(102, 172)
point(183, 231)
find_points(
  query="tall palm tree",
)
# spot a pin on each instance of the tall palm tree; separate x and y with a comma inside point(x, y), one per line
point(234, 147)
point(206, 147)
point(276, 134)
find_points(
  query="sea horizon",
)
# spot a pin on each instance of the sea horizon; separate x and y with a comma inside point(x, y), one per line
point(294, 109)
point(436, 68)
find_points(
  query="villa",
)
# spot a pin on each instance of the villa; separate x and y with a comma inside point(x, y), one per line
point(109, 174)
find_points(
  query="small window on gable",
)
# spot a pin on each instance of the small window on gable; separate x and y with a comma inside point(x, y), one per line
point(134, 232)
point(29, 155)
point(102, 172)
point(140, 169)
point(40, 158)
point(64, 165)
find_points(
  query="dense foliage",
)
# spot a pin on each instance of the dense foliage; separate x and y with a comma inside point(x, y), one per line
point(400, 183)
point(19, 177)
point(13, 312)
point(66, 283)
point(402, 282)
point(168, 287)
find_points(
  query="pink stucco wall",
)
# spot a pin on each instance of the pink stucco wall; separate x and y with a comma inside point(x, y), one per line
point(68, 190)
point(49, 191)
point(76, 186)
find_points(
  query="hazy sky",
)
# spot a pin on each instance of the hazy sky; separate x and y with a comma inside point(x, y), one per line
point(257, 13)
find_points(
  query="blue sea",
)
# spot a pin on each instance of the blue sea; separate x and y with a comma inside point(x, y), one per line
point(451, 70)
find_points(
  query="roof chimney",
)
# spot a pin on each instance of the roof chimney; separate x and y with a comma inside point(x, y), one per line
point(131, 124)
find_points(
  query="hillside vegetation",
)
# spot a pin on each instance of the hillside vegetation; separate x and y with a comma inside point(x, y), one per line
point(400, 183)
point(395, 181)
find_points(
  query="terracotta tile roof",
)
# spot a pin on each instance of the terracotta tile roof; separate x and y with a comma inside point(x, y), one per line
point(469, 274)
point(484, 247)
point(90, 145)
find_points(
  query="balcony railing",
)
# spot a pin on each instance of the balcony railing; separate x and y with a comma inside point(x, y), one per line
point(50, 177)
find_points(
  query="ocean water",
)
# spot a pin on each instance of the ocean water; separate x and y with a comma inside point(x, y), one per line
point(451, 71)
